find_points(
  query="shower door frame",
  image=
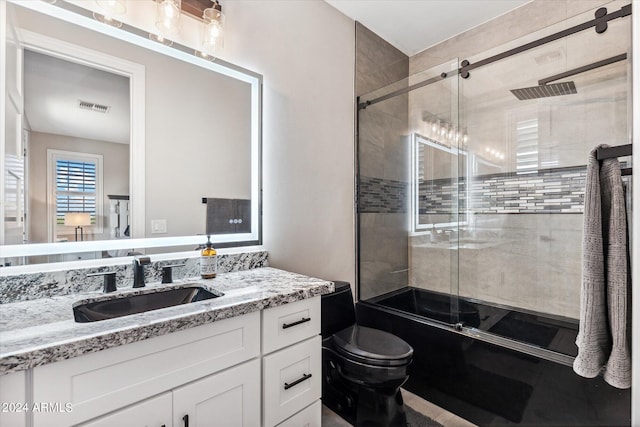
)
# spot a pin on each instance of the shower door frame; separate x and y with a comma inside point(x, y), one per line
point(599, 23)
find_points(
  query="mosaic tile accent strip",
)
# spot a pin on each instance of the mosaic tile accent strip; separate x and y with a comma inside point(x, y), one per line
point(25, 287)
point(377, 195)
point(549, 191)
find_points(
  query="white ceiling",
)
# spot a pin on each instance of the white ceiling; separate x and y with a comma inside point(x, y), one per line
point(414, 25)
point(53, 88)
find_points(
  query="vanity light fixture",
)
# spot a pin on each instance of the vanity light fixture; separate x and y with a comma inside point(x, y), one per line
point(167, 21)
point(168, 16)
point(111, 9)
point(212, 31)
point(160, 39)
point(443, 132)
point(465, 137)
point(77, 220)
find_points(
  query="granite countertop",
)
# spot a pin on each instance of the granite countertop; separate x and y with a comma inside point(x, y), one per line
point(42, 331)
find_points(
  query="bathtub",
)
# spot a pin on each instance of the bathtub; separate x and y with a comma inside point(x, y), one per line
point(495, 365)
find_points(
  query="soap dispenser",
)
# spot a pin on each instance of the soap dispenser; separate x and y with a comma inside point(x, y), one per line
point(208, 261)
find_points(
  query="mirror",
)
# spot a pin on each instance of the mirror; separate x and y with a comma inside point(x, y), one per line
point(437, 199)
point(183, 129)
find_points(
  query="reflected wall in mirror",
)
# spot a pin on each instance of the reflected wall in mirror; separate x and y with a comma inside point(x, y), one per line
point(443, 177)
point(76, 137)
point(434, 164)
point(167, 129)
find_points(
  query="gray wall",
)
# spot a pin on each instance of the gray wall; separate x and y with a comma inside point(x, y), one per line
point(383, 162)
point(308, 129)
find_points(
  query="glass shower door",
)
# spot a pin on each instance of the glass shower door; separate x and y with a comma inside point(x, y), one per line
point(411, 159)
point(528, 177)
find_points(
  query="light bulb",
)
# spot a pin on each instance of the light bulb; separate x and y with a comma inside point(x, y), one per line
point(160, 39)
point(212, 30)
point(168, 16)
point(111, 8)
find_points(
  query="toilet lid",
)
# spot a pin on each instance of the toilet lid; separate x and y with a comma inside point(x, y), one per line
point(372, 346)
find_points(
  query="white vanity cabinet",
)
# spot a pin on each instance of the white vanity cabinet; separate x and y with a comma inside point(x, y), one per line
point(292, 364)
point(13, 398)
point(99, 383)
point(153, 412)
point(226, 399)
point(256, 369)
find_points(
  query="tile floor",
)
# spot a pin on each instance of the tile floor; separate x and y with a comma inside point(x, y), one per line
point(446, 418)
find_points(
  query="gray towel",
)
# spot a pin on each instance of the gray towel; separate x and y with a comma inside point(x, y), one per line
point(605, 304)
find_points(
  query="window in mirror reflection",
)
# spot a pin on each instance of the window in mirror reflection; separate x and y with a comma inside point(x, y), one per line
point(76, 184)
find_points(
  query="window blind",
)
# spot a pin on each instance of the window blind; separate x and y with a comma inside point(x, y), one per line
point(75, 188)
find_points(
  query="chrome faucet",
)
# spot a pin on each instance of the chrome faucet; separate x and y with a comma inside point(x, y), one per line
point(138, 270)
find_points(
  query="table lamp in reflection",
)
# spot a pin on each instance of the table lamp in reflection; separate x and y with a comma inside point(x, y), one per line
point(77, 220)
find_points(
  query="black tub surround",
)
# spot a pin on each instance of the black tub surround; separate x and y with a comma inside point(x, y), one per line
point(42, 331)
point(471, 369)
point(540, 330)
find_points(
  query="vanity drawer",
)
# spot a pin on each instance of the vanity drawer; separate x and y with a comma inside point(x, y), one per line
point(13, 398)
point(308, 417)
point(155, 411)
point(101, 382)
point(291, 380)
point(290, 323)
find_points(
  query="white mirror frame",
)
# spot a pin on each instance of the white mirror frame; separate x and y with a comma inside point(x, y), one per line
point(82, 17)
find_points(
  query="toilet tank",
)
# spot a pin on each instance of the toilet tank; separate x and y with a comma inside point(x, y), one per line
point(338, 311)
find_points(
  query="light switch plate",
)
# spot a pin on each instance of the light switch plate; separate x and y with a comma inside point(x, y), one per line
point(158, 226)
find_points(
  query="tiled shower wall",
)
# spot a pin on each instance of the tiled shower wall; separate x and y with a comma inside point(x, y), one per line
point(549, 191)
point(525, 230)
point(520, 244)
point(382, 196)
point(382, 166)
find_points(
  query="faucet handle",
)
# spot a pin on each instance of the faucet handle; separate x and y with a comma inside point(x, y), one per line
point(143, 260)
point(167, 272)
point(138, 270)
point(109, 280)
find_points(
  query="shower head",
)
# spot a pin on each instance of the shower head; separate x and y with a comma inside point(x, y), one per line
point(544, 89)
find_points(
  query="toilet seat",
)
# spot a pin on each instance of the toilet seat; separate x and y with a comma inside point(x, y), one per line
point(372, 346)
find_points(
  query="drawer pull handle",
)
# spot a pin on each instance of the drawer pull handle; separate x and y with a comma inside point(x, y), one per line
point(305, 377)
point(303, 320)
point(186, 420)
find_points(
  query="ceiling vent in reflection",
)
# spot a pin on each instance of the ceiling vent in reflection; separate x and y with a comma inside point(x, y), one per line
point(85, 105)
